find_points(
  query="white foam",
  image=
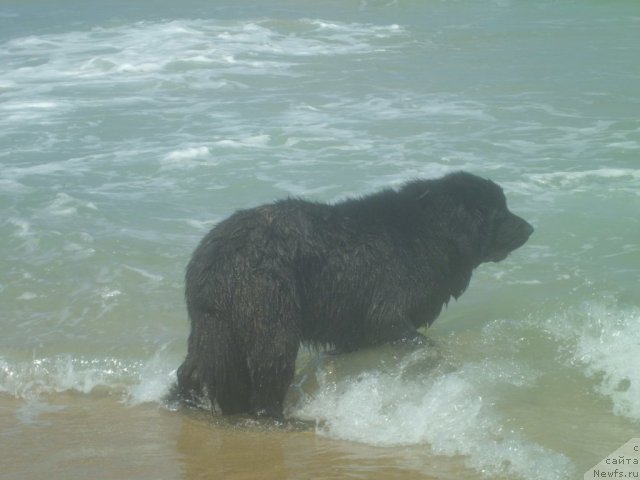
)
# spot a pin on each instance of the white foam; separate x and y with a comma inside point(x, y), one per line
point(448, 413)
point(155, 378)
point(171, 46)
point(27, 296)
point(625, 145)
point(136, 381)
point(253, 141)
point(145, 67)
point(604, 342)
point(107, 293)
point(73, 164)
point(24, 231)
point(23, 227)
point(185, 157)
point(356, 28)
point(10, 185)
point(456, 108)
point(43, 376)
point(27, 105)
point(66, 205)
point(570, 179)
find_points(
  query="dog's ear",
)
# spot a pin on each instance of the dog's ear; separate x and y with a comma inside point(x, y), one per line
point(472, 225)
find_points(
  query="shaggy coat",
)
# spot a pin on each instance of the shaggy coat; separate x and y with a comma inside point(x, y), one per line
point(355, 274)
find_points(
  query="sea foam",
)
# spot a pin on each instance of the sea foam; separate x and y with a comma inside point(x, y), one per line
point(446, 411)
point(136, 381)
point(603, 341)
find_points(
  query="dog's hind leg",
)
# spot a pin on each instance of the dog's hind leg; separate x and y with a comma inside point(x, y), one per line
point(272, 350)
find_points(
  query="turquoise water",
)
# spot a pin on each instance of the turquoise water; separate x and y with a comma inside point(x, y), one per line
point(128, 129)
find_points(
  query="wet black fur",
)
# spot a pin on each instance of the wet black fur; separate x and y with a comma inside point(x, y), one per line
point(354, 274)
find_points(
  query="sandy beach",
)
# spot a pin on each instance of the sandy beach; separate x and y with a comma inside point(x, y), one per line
point(101, 438)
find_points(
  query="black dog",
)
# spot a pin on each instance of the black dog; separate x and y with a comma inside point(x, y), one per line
point(355, 274)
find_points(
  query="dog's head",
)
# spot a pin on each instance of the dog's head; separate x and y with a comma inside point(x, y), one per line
point(478, 221)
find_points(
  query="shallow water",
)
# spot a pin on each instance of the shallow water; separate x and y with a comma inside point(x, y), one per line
point(127, 131)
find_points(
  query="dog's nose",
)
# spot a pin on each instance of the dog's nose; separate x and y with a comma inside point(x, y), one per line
point(528, 228)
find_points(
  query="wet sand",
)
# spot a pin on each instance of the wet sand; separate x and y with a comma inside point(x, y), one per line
point(74, 436)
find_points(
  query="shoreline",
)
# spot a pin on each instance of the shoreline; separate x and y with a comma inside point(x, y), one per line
point(77, 436)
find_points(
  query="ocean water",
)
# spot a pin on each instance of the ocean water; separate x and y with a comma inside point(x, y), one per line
point(128, 129)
